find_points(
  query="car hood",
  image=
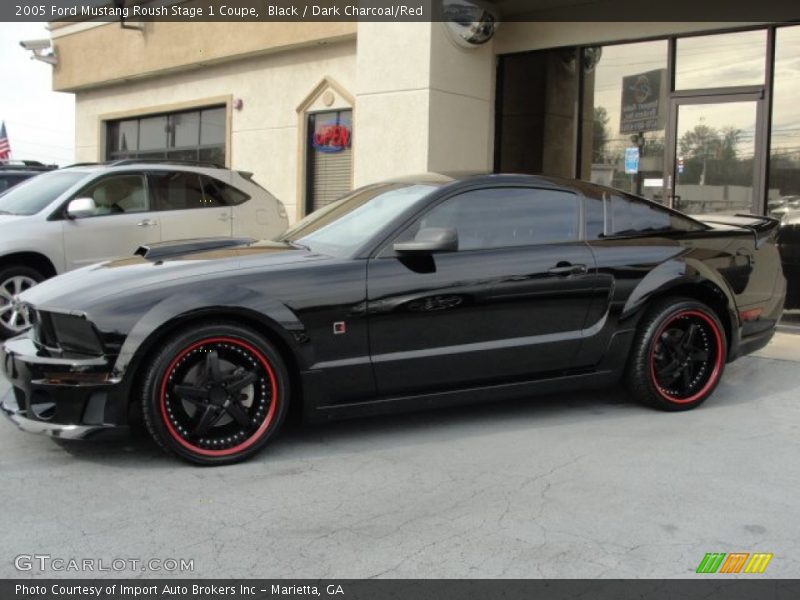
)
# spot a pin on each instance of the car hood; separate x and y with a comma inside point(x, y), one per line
point(83, 287)
point(8, 219)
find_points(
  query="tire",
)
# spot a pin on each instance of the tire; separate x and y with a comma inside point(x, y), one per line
point(215, 394)
point(13, 280)
point(667, 369)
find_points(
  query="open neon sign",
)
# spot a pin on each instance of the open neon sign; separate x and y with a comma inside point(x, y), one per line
point(331, 137)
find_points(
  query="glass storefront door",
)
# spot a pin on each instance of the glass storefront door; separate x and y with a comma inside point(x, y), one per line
point(713, 162)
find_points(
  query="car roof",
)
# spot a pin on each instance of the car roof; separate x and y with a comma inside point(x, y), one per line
point(150, 165)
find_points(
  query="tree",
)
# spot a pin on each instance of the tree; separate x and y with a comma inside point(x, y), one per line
point(599, 134)
point(711, 156)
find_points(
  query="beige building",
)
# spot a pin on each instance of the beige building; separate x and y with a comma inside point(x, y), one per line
point(701, 116)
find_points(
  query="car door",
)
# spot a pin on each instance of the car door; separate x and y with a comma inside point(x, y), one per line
point(123, 220)
point(185, 209)
point(509, 304)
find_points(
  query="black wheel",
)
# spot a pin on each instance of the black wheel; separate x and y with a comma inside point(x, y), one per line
point(678, 355)
point(13, 281)
point(215, 394)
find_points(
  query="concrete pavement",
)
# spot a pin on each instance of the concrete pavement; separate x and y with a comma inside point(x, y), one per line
point(574, 485)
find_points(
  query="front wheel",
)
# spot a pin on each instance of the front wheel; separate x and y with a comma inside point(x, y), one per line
point(678, 355)
point(215, 394)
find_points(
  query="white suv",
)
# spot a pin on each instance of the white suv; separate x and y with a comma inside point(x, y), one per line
point(86, 214)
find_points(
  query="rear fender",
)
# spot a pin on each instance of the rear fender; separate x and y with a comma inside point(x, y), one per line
point(671, 276)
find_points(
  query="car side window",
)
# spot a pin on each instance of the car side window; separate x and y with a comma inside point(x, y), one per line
point(180, 191)
point(221, 193)
point(620, 214)
point(118, 194)
point(505, 217)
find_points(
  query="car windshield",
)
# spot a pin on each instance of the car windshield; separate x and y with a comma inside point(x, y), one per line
point(343, 226)
point(33, 195)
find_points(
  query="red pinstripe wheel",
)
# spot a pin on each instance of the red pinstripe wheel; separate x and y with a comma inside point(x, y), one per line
point(215, 399)
point(686, 356)
point(678, 354)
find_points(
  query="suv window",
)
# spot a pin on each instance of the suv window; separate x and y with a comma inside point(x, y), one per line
point(620, 214)
point(9, 181)
point(117, 194)
point(180, 191)
point(186, 191)
point(505, 217)
point(222, 193)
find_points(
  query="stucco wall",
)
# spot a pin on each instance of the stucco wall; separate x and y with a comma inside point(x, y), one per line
point(263, 135)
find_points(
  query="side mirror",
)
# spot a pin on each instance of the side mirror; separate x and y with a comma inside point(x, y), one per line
point(81, 207)
point(429, 241)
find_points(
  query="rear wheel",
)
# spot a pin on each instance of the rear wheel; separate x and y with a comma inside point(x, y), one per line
point(13, 281)
point(678, 355)
point(215, 394)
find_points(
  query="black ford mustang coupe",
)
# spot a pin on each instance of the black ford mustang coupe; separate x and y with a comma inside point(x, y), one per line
point(402, 295)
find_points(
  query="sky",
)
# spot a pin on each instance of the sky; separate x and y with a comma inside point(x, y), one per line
point(40, 123)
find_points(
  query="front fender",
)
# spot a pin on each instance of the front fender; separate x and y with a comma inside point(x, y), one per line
point(222, 300)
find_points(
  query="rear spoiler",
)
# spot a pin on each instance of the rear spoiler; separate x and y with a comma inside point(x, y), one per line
point(165, 249)
point(762, 227)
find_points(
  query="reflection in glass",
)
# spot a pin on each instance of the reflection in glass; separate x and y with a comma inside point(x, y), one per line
point(212, 126)
point(153, 133)
point(723, 60)
point(625, 106)
point(123, 136)
point(184, 130)
point(715, 166)
point(784, 166)
point(537, 113)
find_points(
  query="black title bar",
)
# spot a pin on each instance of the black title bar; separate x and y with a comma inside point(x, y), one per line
point(462, 11)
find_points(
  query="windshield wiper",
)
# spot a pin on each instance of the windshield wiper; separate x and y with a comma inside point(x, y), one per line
point(294, 244)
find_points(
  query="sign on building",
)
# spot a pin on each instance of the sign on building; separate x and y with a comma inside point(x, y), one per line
point(631, 160)
point(644, 103)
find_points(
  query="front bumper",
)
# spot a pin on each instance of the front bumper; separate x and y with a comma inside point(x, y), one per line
point(63, 396)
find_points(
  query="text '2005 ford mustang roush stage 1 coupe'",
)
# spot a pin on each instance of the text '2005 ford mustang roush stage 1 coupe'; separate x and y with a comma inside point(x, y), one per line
point(407, 294)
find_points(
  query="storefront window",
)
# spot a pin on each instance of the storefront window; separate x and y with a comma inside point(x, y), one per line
point(722, 60)
point(186, 135)
point(624, 116)
point(784, 165)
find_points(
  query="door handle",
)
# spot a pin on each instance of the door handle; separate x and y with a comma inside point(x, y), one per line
point(567, 269)
point(224, 217)
point(146, 223)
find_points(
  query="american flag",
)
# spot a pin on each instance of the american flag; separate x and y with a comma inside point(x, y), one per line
point(5, 146)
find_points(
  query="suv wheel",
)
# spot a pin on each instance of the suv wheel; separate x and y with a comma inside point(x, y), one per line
point(13, 281)
point(215, 394)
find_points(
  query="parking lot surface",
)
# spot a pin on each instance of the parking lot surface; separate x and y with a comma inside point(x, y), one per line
point(571, 485)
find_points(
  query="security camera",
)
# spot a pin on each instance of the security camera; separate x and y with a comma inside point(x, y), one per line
point(41, 50)
point(34, 45)
point(471, 23)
